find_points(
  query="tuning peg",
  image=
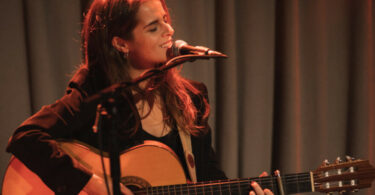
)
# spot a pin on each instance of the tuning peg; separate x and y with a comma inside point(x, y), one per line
point(338, 160)
point(325, 162)
point(349, 158)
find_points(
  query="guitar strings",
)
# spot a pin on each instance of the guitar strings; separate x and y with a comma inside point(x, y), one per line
point(199, 190)
point(202, 189)
point(301, 179)
point(220, 185)
point(213, 186)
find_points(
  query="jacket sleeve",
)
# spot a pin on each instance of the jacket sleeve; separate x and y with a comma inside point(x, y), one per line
point(34, 144)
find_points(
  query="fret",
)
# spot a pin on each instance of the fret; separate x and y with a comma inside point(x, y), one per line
point(167, 190)
point(297, 186)
point(304, 182)
point(285, 184)
point(230, 189)
point(185, 188)
point(221, 192)
point(268, 182)
point(212, 192)
point(239, 186)
point(174, 189)
point(273, 185)
point(263, 182)
point(155, 190)
point(297, 183)
point(259, 180)
point(199, 188)
point(289, 183)
point(249, 183)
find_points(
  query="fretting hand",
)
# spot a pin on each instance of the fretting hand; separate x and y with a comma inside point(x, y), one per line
point(257, 190)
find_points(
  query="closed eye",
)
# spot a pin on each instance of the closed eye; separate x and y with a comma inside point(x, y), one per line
point(153, 29)
point(155, 23)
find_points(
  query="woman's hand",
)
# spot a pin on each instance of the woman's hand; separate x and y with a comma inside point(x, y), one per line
point(96, 186)
point(257, 189)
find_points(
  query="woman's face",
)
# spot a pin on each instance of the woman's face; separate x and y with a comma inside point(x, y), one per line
point(152, 37)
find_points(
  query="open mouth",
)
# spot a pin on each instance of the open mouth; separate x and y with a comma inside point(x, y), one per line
point(167, 44)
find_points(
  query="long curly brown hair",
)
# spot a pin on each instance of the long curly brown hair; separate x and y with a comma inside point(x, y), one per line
point(108, 18)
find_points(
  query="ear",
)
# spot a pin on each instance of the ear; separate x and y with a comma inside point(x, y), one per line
point(120, 44)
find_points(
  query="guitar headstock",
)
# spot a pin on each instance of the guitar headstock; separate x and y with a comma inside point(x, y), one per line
point(347, 176)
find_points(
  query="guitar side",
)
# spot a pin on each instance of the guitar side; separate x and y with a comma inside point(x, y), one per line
point(149, 164)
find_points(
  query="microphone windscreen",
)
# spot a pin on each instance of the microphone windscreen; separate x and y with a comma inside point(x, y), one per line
point(176, 48)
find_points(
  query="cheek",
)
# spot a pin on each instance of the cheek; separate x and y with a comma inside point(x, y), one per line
point(152, 48)
point(147, 50)
point(146, 46)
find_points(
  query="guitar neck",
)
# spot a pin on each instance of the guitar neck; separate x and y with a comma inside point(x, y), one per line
point(292, 183)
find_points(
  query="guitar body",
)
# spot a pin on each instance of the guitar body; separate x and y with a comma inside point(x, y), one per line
point(149, 164)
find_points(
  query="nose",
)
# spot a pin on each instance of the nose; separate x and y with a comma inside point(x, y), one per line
point(169, 31)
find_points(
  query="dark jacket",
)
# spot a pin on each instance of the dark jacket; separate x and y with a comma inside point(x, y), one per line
point(34, 141)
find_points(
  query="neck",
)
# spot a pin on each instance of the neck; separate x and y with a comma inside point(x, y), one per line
point(291, 184)
point(135, 73)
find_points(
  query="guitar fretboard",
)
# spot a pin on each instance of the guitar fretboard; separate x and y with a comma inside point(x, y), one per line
point(292, 183)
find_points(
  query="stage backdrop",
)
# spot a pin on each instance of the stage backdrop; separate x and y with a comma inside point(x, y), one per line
point(298, 86)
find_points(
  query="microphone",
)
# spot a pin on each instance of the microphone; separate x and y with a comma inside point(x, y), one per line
point(180, 47)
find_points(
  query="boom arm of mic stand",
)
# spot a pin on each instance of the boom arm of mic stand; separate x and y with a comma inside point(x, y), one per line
point(173, 63)
point(113, 89)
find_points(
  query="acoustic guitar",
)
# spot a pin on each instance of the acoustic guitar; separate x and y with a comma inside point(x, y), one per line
point(153, 168)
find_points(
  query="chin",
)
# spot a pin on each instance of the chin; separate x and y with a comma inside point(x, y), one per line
point(162, 60)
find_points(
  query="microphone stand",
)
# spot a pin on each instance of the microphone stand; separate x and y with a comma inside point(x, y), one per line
point(108, 98)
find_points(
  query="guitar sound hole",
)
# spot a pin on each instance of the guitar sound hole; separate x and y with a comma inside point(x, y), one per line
point(135, 184)
point(133, 188)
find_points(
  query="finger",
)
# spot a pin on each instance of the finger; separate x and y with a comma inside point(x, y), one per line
point(252, 193)
point(258, 190)
point(267, 192)
point(264, 174)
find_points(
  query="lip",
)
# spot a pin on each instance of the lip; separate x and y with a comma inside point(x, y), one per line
point(167, 44)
